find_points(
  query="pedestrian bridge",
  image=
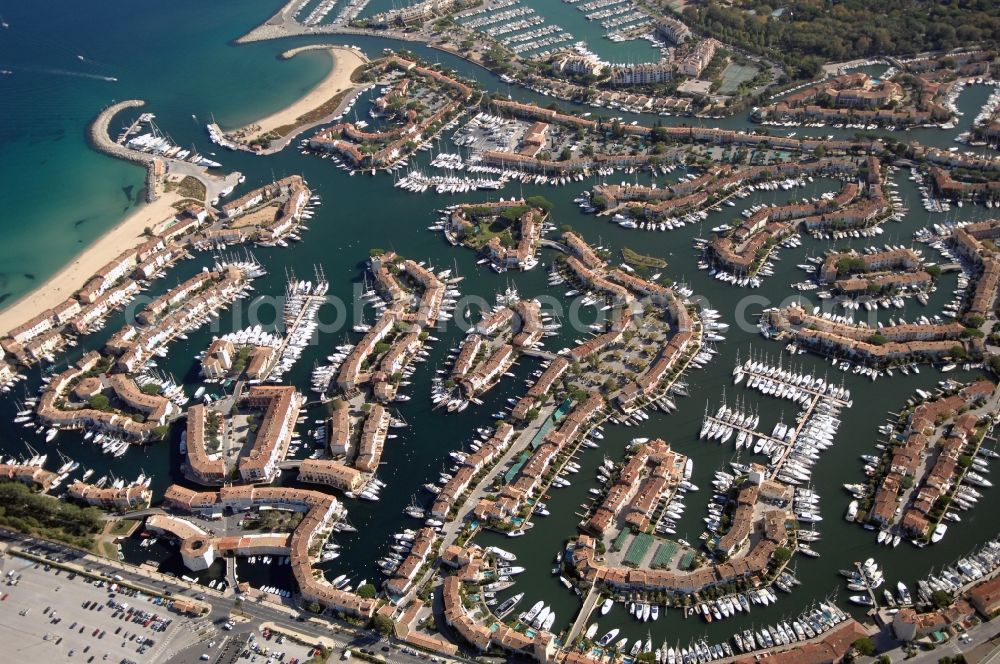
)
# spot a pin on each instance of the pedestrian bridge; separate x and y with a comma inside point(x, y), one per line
point(139, 514)
point(552, 244)
point(543, 354)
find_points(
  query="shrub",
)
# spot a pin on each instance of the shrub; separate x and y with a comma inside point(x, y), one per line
point(865, 646)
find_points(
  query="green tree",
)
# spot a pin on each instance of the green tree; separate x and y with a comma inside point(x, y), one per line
point(865, 646)
point(382, 625)
point(877, 340)
point(808, 67)
point(850, 265)
point(782, 554)
point(38, 514)
point(540, 202)
point(367, 591)
point(940, 599)
point(99, 402)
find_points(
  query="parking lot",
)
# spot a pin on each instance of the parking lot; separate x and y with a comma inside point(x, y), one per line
point(49, 615)
point(272, 647)
point(240, 645)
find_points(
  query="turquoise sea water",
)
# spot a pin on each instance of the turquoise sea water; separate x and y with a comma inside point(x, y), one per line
point(58, 195)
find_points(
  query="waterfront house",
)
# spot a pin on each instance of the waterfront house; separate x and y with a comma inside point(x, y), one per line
point(281, 405)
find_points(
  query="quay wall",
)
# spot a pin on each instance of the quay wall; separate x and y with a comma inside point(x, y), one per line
point(102, 142)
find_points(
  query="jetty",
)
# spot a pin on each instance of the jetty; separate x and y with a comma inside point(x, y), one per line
point(101, 140)
point(157, 167)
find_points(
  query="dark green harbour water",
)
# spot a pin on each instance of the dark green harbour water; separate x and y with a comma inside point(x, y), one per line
point(59, 195)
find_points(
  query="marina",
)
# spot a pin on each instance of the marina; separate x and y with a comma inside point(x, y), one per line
point(518, 26)
point(802, 419)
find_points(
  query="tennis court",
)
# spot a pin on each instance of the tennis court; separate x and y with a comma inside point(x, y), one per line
point(734, 75)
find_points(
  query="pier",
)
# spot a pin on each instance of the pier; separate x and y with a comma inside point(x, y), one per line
point(803, 388)
point(868, 587)
point(604, 416)
point(128, 131)
point(303, 314)
point(755, 434)
point(798, 429)
point(786, 445)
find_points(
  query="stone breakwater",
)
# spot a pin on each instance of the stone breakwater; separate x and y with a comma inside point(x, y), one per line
point(289, 28)
point(292, 52)
point(100, 140)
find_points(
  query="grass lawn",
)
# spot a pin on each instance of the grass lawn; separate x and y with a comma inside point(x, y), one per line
point(123, 527)
point(479, 240)
point(636, 259)
point(189, 187)
point(107, 549)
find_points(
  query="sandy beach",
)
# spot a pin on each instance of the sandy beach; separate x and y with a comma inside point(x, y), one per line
point(69, 279)
point(345, 61)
